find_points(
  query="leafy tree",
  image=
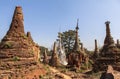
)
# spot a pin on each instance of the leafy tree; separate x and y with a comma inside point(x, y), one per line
point(42, 50)
point(68, 39)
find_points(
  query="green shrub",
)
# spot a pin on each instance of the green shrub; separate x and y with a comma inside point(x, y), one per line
point(16, 58)
point(24, 36)
point(32, 52)
point(8, 45)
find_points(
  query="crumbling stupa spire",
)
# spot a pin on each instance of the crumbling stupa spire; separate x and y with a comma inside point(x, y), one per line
point(108, 39)
point(45, 59)
point(29, 36)
point(96, 47)
point(76, 45)
point(96, 51)
point(118, 42)
point(54, 48)
point(17, 22)
point(82, 48)
point(107, 28)
point(54, 61)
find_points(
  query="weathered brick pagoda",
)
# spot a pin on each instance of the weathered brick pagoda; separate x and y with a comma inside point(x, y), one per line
point(45, 59)
point(77, 56)
point(16, 45)
point(96, 52)
point(54, 61)
point(109, 54)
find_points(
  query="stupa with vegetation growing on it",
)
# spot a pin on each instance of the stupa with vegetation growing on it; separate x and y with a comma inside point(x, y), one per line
point(54, 61)
point(109, 54)
point(78, 55)
point(16, 45)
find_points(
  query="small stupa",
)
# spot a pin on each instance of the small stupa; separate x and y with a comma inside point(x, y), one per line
point(45, 59)
point(118, 43)
point(54, 61)
point(96, 51)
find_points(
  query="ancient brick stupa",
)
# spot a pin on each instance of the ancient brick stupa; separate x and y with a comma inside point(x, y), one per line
point(45, 59)
point(54, 61)
point(96, 51)
point(118, 44)
point(16, 43)
point(109, 54)
point(77, 56)
point(108, 42)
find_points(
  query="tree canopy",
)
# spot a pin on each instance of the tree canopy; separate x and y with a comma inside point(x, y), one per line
point(68, 39)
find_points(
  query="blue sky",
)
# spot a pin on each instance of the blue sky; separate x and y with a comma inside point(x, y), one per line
point(44, 18)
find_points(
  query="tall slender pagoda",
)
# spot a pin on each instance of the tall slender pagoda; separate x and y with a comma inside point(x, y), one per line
point(109, 48)
point(96, 51)
point(108, 39)
point(77, 56)
point(76, 47)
